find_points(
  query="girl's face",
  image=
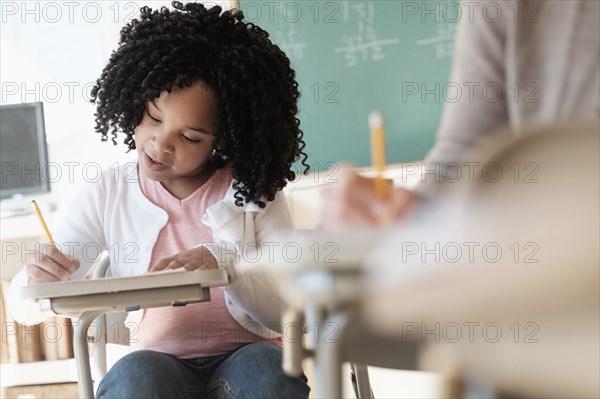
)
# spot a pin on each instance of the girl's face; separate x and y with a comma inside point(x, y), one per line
point(175, 137)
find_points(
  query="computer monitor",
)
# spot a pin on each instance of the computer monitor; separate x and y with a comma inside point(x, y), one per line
point(23, 150)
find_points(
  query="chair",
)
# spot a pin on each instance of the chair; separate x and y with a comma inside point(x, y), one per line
point(325, 295)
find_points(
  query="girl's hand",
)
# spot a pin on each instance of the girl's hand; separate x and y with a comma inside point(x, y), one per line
point(192, 259)
point(49, 265)
point(353, 201)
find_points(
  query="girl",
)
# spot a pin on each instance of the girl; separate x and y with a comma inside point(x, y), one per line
point(209, 104)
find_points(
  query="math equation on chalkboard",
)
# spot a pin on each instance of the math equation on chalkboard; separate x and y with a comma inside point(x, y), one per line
point(363, 43)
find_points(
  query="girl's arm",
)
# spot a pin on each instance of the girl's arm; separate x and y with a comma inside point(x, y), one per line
point(80, 235)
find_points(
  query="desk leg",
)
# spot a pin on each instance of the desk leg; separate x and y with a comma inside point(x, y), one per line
point(315, 316)
point(293, 351)
point(82, 355)
point(363, 384)
point(99, 349)
point(328, 357)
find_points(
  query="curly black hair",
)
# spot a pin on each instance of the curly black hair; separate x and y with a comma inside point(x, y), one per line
point(257, 130)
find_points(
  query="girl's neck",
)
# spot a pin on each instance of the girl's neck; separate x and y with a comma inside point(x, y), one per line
point(184, 187)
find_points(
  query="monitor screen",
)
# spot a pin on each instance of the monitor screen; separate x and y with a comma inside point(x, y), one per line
point(23, 150)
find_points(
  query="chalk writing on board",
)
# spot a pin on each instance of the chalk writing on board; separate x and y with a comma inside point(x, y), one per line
point(442, 42)
point(285, 38)
point(364, 45)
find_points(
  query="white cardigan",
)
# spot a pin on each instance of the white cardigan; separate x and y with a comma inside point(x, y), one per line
point(113, 215)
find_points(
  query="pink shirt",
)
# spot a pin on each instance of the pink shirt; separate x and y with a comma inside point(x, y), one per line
point(200, 329)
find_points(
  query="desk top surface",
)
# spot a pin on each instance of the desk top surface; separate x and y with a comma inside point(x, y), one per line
point(204, 278)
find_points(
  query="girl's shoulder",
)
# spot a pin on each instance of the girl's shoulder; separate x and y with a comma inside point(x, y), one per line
point(122, 173)
point(277, 204)
point(120, 179)
point(228, 185)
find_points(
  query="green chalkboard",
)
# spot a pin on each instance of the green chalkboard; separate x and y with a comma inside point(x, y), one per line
point(355, 56)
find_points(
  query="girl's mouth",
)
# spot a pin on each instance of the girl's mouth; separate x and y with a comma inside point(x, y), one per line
point(153, 165)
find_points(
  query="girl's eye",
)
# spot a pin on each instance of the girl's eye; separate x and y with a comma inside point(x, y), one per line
point(186, 138)
point(153, 118)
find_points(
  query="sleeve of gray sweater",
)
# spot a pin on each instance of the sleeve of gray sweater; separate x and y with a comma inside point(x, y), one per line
point(517, 62)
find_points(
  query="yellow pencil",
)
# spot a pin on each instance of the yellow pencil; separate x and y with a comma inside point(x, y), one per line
point(378, 158)
point(42, 221)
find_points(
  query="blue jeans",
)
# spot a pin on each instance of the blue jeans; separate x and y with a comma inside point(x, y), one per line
point(251, 371)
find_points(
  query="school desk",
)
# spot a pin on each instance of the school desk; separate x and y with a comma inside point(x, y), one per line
point(88, 299)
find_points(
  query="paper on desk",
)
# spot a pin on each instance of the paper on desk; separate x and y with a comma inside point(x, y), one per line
point(178, 270)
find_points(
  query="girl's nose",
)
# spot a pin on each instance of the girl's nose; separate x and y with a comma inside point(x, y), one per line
point(163, 141)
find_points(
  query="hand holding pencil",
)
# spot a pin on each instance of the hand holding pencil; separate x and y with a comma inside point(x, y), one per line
point(360, 201)
point(47, 263)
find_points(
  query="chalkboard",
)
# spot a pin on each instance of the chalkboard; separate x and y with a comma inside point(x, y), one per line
point(355, 56)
